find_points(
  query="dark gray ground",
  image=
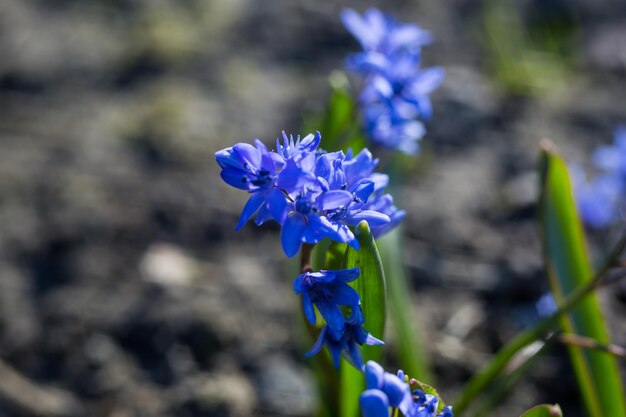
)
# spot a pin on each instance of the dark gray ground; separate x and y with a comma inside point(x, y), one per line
point(124, 290)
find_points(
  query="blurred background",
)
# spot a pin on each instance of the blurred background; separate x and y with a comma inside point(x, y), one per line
point(124, 290)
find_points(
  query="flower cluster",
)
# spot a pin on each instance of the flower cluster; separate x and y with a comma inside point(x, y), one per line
point(394, 97)
point(312, 194)
point(385, 390)
point(602, 200)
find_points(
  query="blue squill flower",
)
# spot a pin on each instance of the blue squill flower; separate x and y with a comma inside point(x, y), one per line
point(612, 158)
point(348, 343)
point(306, 220)
point(384, 204)
point(599, 201)
point(383, 385)
point(378, 32)
point(253, 169)
point(312, 194)
point(394, 98)
point(327, 290)
point(602, 199)
point(425, 405)
point(385, 391)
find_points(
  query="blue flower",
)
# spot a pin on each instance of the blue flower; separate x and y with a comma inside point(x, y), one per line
point(425, 405)
point(352, 336)
point(378, 32)
point(307, 220)
point(384, 204)
point(312, 194)
point(385, 390)
point(327, 290)
point(395, 94)
point(612, 159)
point(253, 169)
point(602, 199)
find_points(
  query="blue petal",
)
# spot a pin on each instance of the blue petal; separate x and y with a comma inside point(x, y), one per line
point(291, 234)
point(263, 215)
point(374, 403)
point(235, 178)
point(373, 218)
point(346, 295)
point(317, 346)
point(374, 374)
point(225, 159)
point(372, 341)
point(335, 231)
point(397, 391)
point(335, 351)
point(310, 142)
point(348, 275)
point(333, 316)
point(307, 306)
point(354, 355)
point(428, 80)
point(411, 36)
point(248, 154)
point(362, 189)
point(332, 200)
point(253, 204)
point(277, 205)
point(357, 26)
point(290, 178)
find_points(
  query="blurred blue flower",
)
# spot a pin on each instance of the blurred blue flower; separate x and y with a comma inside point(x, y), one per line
point(253, 169)
point(379, 385)
point(395, 94)
point(348, 342)
point(385, 390)
point(602, 199)
point(425, 405)
point(327, 290)
point(312, 194)
point(612, 158)
point(546, 305)
point(378, 32)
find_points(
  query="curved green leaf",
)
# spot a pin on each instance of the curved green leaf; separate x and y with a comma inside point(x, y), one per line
point(409, 343)
point(371, 288)
point(568, 268)
point(544, 410)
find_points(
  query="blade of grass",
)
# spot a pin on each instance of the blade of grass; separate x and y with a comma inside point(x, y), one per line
point(544, 410)
point(505, 383)
point(478, 383)
point(569, 268)
point(410, 350)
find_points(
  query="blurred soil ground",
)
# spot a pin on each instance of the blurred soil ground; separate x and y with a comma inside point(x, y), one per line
point(124, 290)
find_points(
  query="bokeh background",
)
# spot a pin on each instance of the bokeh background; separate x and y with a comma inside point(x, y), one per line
point(124, 290)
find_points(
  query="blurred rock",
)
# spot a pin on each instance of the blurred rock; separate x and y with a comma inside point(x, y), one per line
point(215, 394)
point(606, 48)
point(284, 388)
point(167, 265)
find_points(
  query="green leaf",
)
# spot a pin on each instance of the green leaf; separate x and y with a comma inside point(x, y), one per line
point(339, 115)
point(544, 410)
point(568, 268)
point(517, 368)
point(371, 288)
point(370, 285)
point(352, 384)
point(410, 350)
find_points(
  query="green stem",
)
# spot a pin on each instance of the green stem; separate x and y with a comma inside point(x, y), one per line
point(477, 384)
